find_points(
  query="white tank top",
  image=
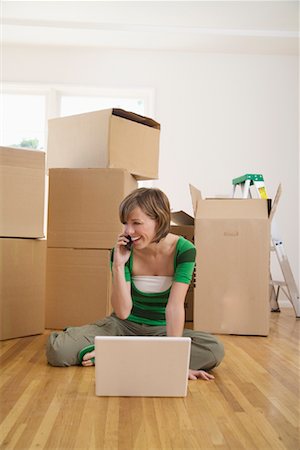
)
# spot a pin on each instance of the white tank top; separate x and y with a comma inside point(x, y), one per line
point(152, 284)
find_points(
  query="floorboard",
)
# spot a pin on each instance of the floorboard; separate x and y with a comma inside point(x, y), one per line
point(253, 403)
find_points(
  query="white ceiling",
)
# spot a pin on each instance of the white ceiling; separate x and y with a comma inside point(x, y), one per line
point(230, 26)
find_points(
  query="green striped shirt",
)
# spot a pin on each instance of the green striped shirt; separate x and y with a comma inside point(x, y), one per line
point(150, 308)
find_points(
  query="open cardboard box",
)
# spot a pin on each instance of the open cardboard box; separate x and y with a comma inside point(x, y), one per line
point(110, 138)
point(232, 238)
point(182, 224)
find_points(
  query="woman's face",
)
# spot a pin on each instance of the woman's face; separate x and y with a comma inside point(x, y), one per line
point(140, 227)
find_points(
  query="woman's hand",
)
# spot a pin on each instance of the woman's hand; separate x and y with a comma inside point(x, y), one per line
point(121, 253)
point(200, 374)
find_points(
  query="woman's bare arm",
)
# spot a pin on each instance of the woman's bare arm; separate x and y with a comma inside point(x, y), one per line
point(121, 293)
point(121, 290)
point(175, 314)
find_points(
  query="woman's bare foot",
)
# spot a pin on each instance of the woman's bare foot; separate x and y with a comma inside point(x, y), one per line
point(87, 359)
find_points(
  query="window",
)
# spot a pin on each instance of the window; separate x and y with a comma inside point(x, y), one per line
point(23, 120)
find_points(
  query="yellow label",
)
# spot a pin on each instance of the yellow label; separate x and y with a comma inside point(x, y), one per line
point(262, 192)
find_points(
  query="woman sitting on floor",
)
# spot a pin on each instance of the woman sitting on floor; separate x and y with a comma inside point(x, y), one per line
point(152, 269)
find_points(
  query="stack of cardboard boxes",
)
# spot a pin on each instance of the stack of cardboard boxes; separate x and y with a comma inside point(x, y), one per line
point(22, 247)
point(95, 160)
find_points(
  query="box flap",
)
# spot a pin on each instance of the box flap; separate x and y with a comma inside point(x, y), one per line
point(196, 196)
point(135, 118)
point(181, 218)
point(275, 202)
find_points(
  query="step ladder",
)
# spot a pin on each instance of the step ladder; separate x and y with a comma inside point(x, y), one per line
point(247, 183)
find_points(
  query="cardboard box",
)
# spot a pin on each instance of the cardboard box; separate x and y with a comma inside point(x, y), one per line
point(78, 287)
point(84, 206)
point(189, 304)
point(182, 224)
point(111, 138)
point(22, 191)
point(22, 287)
point(232, 237)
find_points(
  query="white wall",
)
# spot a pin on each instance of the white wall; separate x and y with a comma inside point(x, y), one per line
point(222, 115)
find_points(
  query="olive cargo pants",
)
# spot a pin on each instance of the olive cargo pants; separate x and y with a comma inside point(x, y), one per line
point(62, 348)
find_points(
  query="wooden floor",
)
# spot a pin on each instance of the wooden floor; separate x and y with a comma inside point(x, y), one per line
point(252, 404)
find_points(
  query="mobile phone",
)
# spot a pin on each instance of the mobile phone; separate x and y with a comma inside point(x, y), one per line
point(129, 244)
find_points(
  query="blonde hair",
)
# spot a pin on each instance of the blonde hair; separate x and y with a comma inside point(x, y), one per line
point(152, 202)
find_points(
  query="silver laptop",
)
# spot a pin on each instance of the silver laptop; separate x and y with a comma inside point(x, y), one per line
point(142, 366)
